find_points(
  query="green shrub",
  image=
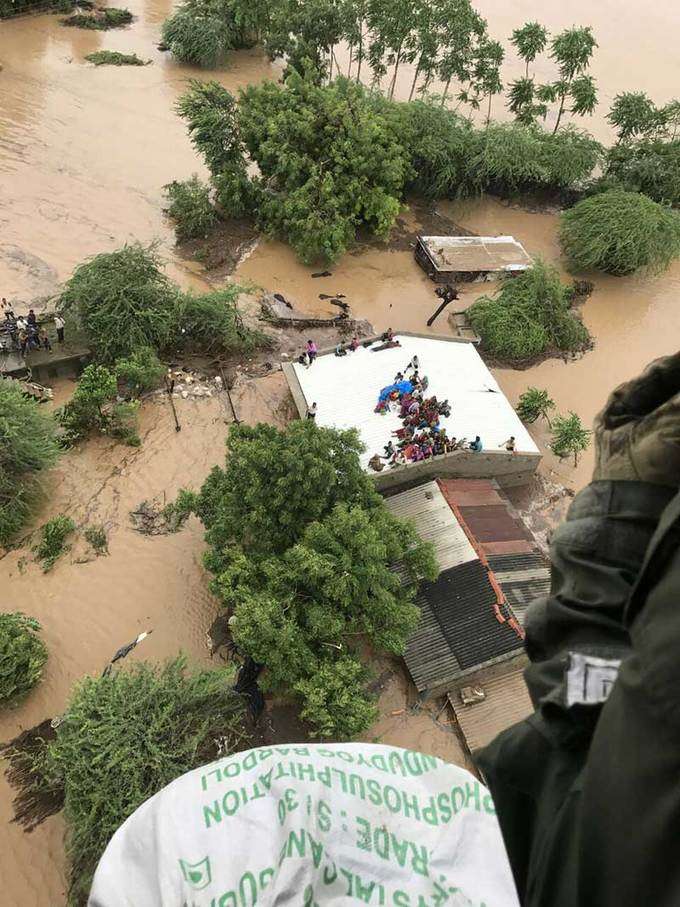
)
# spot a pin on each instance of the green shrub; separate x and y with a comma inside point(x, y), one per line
point(101, 19)
point(28, 446)
point(534, 404)
point(141, 371)
point(113, 58)
point(52, 543)
point(191, 209)
point(88, 408)
point(511, 158)
point(620, 232)
point(22, 655)
point(439, 143)
point(569, 436)
point(95, 536)
point(127, 736)
point(528, 316)
point(211, 322)
point(651, 167)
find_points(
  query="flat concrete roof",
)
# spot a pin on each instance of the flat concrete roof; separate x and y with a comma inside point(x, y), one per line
point(476, 253)
point(346, 391)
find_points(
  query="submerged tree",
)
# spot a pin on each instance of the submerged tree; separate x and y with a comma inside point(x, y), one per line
point(148, 725)
point(22, 655)
point(569, 437)
point(634, 114)
point(529, 316)
point(620, 232)
point(28, 447)
point(305, 33)
point(534, 404)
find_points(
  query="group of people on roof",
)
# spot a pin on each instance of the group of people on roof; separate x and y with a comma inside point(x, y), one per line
point(421, 436)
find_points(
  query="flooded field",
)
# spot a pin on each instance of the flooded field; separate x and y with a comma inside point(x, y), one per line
point(84, 154)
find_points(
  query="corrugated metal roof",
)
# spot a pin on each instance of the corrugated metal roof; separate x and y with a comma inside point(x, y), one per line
point(346, 390)
point(493, 523)
point(428, 656)
point(463, 599)
point(506, 702)
point(476, 253)
point(434, 522)
point(522, 578)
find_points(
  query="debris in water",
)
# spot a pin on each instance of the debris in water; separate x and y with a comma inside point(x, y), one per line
point(322, 274)
point(154, 518)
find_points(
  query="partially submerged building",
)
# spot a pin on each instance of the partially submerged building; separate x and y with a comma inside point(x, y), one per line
point(452, 259)
point(469, 641)
point(346, 390)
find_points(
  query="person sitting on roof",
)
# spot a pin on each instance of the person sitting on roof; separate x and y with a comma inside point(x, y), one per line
point(509, 445)
point(354, 343)
point(340, 350)
point(389, 450)
point(398, 377)
point(444, 409)
point(476, 445)
point(413, 364)
point(376, 463)
point(388, 336)
point(312, 351)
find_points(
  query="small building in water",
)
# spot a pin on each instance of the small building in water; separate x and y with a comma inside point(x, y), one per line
point(346, 390)
point(453, 259)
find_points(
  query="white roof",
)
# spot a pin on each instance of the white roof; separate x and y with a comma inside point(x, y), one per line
point(435, 522)
point(346, 391)
point(476, 253)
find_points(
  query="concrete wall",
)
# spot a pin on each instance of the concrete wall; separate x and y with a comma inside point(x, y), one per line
point(507, 468)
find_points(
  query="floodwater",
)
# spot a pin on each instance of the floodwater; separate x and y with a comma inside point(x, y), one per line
point(84, 153)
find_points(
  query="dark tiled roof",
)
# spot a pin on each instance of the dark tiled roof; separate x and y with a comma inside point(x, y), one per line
point(462, 599)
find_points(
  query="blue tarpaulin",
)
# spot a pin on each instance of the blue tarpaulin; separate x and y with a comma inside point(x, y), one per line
point(403, 387)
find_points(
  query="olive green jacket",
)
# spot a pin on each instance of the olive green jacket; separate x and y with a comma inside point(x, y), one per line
point(587, 789)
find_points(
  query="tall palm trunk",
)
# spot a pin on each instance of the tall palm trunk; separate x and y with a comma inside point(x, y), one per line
point(415, 78)
point(396, 70)
point(446, 92)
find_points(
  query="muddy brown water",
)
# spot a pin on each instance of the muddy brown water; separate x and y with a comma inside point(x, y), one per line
point(84, 153)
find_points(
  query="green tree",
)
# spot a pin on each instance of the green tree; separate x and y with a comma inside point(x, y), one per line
point(211, 114)
point(572, 50)
point(461, 30)
point(93, 408)
point(303, 551)
point(439, 143)
point(534, 404)
point(305, 33)
point(122, 301)
point(530, 40)
point(191, 208)
point(22, 655)
point(487, 74)
point(148, 725)
point(426, 38)
point(634, 114)
point(334, 697)
point(569, 437)
point(275, 483)
point(329, 163)
point(620, 232)
point(28, 446)
point(529, 316)
point(392, 25)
